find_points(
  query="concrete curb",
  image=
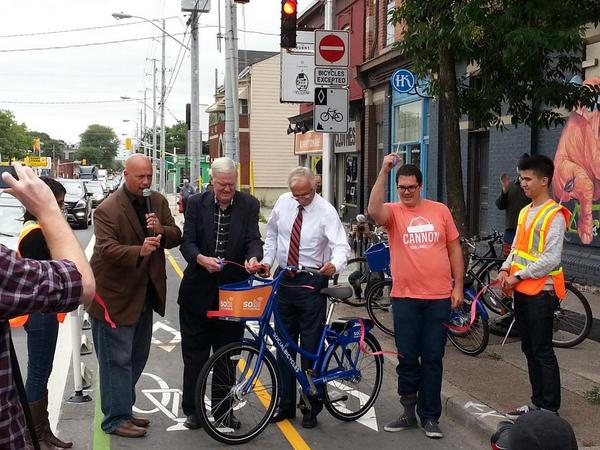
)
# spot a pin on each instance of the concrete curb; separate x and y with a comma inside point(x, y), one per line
point(479, 418)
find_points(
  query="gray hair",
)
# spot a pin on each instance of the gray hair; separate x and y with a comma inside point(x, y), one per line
point(301, 172)
point(223, 165)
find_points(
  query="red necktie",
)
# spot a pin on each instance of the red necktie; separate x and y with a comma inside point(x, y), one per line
point(294, 251)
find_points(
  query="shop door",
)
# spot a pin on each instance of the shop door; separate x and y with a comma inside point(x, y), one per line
point(478, 183)
point(409, 154)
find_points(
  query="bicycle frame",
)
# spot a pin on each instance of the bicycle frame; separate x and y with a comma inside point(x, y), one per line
point(283, 342)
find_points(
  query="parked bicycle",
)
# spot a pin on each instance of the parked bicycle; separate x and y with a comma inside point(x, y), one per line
point(242, 377)
point(572, 319)
point(357, 272)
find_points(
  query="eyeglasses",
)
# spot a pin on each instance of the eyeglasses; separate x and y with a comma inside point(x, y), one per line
point(303, 197)
point(409, 189)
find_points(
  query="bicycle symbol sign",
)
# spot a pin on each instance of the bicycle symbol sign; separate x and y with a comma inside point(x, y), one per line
point(331, 110)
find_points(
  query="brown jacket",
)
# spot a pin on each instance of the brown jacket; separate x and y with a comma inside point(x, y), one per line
point(121, 275)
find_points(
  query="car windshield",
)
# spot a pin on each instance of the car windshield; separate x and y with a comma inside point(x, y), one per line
point(11, 219)
point(73, 188)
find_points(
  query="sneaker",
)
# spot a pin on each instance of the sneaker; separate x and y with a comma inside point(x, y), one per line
point(402, 423)
point(432, 430)
point(518, 412)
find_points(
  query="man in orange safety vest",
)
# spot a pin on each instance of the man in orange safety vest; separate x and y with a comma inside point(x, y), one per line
point(533, 271)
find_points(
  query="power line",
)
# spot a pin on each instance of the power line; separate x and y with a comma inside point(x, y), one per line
point(72, 30)
point(90, 44)
point(82, 102)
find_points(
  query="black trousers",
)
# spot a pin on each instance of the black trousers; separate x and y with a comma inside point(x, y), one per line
point(534, 318)
point(302, 311)
point(199, 336)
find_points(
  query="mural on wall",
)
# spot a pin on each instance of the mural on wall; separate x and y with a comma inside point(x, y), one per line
point(576, 181)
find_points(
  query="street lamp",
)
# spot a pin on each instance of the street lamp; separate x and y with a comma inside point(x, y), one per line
point(161, 170)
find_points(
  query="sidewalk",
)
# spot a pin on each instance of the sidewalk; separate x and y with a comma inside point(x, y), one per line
point(476, 390)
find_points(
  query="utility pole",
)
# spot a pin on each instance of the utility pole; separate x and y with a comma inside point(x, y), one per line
point(232, 140)
point(195, 137)
point(328, 141)
point(144, 137)
point(162, 178)
point(154, 149)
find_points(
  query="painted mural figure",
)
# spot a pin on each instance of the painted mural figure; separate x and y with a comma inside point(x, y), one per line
point(577, 163)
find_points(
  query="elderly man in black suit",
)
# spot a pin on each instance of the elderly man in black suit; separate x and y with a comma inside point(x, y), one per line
point(219, 225)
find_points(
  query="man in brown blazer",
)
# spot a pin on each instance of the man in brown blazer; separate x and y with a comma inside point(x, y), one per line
point(129, 266)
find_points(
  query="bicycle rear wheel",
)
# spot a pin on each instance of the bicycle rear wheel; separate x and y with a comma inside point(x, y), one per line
point(572, 319)
point(350, 397)
point(379, 305)
point(221, 391)
point(473, 341)
point(356, 274)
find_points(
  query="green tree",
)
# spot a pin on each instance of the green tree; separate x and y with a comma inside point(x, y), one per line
point(91, 155)
point(524, 53)
point(14, 141)
point(176, 136)
point(104, 140)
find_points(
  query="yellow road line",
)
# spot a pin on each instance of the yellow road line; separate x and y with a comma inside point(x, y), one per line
point(286, 427)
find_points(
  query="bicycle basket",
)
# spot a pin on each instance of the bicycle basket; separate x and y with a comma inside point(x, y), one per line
point(378, 257)
point(243, 300)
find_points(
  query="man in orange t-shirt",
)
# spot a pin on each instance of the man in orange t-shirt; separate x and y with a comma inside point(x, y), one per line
point(427, 274)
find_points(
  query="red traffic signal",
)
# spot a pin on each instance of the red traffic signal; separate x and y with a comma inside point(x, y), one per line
point(289, 17)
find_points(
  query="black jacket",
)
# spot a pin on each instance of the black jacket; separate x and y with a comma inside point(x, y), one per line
point(512, 201)
point(198, 292)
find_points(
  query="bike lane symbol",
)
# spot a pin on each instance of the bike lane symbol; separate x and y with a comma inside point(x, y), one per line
point(165, 400)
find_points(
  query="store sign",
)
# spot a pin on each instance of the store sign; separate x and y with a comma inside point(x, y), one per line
point(331, 76)
point(309, 142)
point(41, 162)
point(297, 70)
point(345, 142)
point(403, 81)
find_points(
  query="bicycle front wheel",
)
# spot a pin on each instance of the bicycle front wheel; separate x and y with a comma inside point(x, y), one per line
point(473, 341)
point(356, 275)
point(379, 305)
point(572, 319)
point(223, 389)
point(493, 298)
point(352, 395)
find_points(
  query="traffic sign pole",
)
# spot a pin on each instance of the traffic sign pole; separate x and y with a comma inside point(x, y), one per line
point(327, 166)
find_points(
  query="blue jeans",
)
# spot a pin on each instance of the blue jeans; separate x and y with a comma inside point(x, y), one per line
point(421, 340)
point(42, 333)
point(122, 353)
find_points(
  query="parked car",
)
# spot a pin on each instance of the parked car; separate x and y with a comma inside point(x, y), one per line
point(78, 203)
point(11, 220)
point(97, 191)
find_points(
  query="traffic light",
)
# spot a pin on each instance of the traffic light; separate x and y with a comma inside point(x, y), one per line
point(289, 17)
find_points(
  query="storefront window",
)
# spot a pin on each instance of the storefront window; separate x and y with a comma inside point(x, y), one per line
point(351, 180)
point(408, 122)
point(389, 32)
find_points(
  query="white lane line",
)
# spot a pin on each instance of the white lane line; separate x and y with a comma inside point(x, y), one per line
point(62, 361)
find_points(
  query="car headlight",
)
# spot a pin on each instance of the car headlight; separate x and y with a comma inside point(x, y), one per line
point(80, 204)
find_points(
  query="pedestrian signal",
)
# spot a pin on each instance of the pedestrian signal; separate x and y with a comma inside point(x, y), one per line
point(289, 18)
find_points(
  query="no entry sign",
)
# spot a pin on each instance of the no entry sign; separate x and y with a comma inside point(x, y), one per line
point(331, 48)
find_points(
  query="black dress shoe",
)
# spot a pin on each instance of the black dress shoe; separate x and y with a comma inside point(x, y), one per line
point(309, 421)
point(282, 414)
point(192, 422)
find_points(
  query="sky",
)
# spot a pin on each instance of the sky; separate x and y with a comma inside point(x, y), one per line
point(34, 84)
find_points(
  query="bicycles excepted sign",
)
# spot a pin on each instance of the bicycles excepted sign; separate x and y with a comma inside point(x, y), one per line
point(331, 110)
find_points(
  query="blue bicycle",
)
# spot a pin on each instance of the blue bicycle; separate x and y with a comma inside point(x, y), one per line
point(238, 387)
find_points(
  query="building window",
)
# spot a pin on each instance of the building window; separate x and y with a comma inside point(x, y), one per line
point(389, 33)
point(243, 107)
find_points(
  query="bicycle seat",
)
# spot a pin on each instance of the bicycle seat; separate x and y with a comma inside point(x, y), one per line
point(339, 292)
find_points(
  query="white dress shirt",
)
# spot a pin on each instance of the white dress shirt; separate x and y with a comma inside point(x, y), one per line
point(322, 238)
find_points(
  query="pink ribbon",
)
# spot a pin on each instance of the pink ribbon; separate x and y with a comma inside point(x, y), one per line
point(465, 328)
point(107, 318)
point(363, 348)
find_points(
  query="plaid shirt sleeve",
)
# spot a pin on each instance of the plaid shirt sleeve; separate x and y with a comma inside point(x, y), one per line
point(27, 286)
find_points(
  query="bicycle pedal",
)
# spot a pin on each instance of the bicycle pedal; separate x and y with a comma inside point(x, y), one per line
point(341, 398)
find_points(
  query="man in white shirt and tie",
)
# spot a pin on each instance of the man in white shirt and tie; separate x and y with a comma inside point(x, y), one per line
point(304, 229)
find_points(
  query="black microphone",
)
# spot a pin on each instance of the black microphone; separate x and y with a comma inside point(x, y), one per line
point(146, 194)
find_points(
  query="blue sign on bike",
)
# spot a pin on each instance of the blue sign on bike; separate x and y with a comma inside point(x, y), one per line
point(403, 81)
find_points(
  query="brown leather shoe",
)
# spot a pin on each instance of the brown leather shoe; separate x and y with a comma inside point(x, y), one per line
point(139, 421)
point(129, 430)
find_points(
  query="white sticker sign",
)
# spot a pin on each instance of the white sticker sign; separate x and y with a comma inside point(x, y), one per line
point(331, 76)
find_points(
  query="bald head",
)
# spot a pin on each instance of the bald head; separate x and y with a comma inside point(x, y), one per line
point(137, 173)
